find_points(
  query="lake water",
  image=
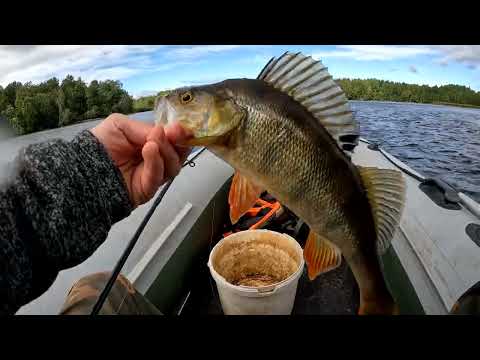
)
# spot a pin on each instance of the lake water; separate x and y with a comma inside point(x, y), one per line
point(11, 144)
point(435, 140)
point(6, 130)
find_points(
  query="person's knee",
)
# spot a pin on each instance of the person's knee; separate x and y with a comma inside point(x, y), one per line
point(94, 281)
point(122, 299)
point(83, 294)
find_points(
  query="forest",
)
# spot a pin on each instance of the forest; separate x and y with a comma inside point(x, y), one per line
point(146, 103)
point(50, 104)
point(373, 89)
point(381, 90)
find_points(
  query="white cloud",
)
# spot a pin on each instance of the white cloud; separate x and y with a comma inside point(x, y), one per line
point(374, 52)
point(256, 59)
point(191, 52)
point(203, 81)
point(197, 51)
point(144, 93)
point(466, 54)
point(38, 63)
point(441, 62)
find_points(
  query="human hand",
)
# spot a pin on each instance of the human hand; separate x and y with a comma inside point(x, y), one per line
point(144, 153)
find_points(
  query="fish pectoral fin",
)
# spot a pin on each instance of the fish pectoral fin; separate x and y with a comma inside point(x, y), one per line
point(386, 195)
point(243, 195)
point(321, 255)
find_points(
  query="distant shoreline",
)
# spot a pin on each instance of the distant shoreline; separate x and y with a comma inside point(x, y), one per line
point(457, 105)
point(6, 132)
point(147, 103)
point(419, 103)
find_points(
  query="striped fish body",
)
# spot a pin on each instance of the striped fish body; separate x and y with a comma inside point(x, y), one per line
point(280, 147)
point(291, 132)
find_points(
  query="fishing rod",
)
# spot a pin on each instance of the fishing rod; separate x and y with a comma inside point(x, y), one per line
point(126, 253)
point(375, 146)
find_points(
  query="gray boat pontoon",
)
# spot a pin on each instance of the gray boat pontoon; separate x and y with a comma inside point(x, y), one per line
point(433, 262)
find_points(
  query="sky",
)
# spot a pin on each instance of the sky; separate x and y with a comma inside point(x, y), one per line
point(147, 69)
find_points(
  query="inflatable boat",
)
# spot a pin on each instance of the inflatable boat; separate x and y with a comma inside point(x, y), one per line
point(432, 265)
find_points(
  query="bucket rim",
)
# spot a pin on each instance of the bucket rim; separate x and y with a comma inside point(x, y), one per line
point(267, 289)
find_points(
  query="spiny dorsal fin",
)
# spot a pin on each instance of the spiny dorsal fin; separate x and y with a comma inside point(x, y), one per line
point(307, 81)
point(320, 255)
point(386, 194)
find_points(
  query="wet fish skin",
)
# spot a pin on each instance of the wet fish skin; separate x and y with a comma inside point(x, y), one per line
point(279, 145)
point(300, 165)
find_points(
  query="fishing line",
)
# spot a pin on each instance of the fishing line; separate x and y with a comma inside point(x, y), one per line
point(406, 171)
point(190, 162)
point(121, 262)
point(421, 178)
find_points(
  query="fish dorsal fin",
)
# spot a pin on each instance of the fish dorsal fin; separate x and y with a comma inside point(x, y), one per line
point(243, 195)
point(308, 82)
point(386, 194)
point(320, 255)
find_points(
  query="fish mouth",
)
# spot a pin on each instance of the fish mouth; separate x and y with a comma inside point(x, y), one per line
point(201, 141)
point(165, 113)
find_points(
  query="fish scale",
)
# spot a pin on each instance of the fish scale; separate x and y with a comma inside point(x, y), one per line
point(291, 132)
point(298, 172)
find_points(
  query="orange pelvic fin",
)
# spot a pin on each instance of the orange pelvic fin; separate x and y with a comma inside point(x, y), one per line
point(243, 195)
point(320, 255)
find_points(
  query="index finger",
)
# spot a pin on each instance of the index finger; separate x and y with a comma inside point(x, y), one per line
point(176, 134)
point(135, 131)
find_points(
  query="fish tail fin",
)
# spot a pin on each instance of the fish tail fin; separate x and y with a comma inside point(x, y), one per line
point(396, 309)
point(386, 194)
point(385, 190)
point(378, 307)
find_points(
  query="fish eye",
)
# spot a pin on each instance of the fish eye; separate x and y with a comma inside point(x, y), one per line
point(186, 97)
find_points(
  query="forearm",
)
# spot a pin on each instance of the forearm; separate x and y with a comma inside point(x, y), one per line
point(56, 210)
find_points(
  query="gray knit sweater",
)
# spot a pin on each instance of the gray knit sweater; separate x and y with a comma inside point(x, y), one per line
point(55, 210)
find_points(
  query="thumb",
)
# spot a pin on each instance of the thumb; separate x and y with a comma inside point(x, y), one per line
point(153, 170)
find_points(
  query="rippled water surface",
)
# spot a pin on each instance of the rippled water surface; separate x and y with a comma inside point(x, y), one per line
point(435, 140)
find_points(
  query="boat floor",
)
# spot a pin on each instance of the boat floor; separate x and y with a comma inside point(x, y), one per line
point(332, 293)
point(335, 292)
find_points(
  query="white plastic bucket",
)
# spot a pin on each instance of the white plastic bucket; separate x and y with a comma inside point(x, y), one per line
point(277, 256)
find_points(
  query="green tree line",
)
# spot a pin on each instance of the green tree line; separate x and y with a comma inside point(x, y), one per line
point(146, 103)
point(51, 104)
point(381, 90)
point(373, 89)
